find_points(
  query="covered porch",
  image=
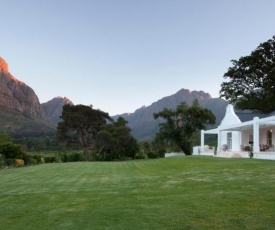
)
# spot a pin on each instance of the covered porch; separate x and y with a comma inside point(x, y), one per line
point(243, 138)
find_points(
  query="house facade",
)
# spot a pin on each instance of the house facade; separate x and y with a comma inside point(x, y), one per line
point(239, 139)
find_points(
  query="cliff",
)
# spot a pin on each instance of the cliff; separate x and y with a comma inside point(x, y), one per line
point(53, 108)
point(16, 95)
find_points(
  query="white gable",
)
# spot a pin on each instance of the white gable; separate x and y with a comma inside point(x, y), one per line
point(230, 118)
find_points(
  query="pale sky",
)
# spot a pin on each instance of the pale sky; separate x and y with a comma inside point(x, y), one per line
point(119, 55)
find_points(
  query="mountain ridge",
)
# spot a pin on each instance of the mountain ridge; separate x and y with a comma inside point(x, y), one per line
point(143, 124)
point(21, 113)
point(32, 117)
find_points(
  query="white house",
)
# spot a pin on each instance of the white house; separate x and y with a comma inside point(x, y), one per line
point(238, 139)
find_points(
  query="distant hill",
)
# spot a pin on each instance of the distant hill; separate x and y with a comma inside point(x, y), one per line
point(53, 108)
point(143, 124)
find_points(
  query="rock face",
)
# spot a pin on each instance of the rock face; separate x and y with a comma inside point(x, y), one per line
point(143, 124)
point(17, 95)
point(53, 108)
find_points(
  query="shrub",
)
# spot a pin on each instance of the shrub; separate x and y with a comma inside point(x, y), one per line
point(42, 160)
point(50, 159)
point(33, 161)
point(152, 155)
point(10, 150)
point(1, 161)
point(72, 157)
point(77, 157)
point(140, 155)
point(19, 162)
point(161, 152)
point(9, 161)
point(26, 158)
point(39, 159)
point(65, 157)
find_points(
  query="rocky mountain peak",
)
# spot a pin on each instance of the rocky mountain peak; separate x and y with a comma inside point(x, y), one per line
point(17, 95)
point(200, 95)
point(54, 108)
point(4, 67)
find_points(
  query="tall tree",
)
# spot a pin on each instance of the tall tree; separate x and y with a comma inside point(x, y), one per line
point(251, 80)
point(183, 122)
point(116, 142)
point(81, 124)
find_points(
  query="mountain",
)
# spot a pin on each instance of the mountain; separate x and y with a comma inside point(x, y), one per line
point(143, 124)
point(21, 113)
point(15, 94)
point(53, 108)
point(20, 110)
point(21, 125)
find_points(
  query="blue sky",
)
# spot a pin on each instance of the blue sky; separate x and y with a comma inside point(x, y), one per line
point(119, 55)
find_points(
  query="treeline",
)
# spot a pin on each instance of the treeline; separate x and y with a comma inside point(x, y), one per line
point(100, 138)
point(32, 151)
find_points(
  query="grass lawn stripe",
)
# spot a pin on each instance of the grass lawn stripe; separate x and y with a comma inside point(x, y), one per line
point(174, 193)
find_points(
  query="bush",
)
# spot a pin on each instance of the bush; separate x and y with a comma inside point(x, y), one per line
point(9, 161)
point(152, 155)
point(161, 152)
point(26, 158)
point(77, 157)
point(33, 161)
point(19, 162)
point(2, 162)
point(39, 159)
point(140, 155)
point(50, 159)
point(72, 157)
point(10, 150)
point(65, 157)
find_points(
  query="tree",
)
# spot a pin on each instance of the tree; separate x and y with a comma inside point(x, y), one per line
point(5, 138)
point(116, 142)
point(251, 82)
point(183, 122)
point(80, 125)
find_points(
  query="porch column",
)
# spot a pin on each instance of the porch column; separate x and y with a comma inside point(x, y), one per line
point(256, 147)
point(202, 140)
point(219, 141)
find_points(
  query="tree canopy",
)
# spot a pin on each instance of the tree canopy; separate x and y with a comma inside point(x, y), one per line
point(80, 125)
point(116, 142)
point(251, 80)
point(183, 122)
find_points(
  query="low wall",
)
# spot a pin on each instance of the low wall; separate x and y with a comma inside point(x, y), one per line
point(174, 154)
point(211, 154)
point(258, 155)
point(264, 156)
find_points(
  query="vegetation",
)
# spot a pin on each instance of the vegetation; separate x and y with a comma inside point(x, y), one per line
point(252, 80)
point(12, 155)
point(88, 129)
point(20, 125)
point(183, 123)
point(172, 193)
point(115, 141)
point(80, 126)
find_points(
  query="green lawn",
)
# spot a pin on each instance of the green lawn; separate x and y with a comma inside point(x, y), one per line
point(174, 193)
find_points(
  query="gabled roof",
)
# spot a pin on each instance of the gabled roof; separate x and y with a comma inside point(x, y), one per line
point(248, 115)
point(264, 122)
point(230, 117)
point(231, 121)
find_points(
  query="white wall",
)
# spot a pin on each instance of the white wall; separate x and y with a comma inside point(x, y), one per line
point(235, 139)
point(245, 137)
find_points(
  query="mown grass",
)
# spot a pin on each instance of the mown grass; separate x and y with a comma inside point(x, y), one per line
point(173, 193)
